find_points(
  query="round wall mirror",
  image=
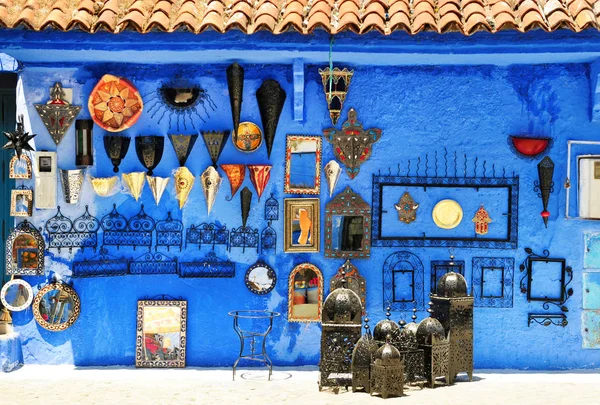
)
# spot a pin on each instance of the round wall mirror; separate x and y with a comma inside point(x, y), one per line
point(261, 278)
point(56, 307)
point(16, 295)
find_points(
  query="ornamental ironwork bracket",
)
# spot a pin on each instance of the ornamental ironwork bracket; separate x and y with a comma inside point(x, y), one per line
point(118, 231)
point(548, 319)
point(244, 237)
point(211, 266)
point(207, 234)
point(169, 232)
point(66, 234)
point(102, 265)
point(268, 238)
point(153, 263)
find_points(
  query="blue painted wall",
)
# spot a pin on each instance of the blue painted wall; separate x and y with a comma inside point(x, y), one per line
point(420, 110)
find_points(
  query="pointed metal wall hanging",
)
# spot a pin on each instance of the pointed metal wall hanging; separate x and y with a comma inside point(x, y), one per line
point(135, 183)
point(236, 175)
point(57, 114)
point(352, 145)
point(545, 186)
point(184, 181)
point(19, 139)
point(215, 142)
point(336, 83)
point(183, 145)
point(482, 220)
point(211, 182)
point(271, 98)
point(260, 175)
point(104, 186)
point(245, 201)
point(72, 181)
point(158, 186)
point(332, 175)
point(149, 150)
point(407, 208)
point(116, 148)
point(235, 83)
point(115, 103)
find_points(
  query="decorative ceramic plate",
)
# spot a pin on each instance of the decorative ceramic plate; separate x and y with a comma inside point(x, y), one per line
point(115, 104)
point(447, 214)
point(248, 138)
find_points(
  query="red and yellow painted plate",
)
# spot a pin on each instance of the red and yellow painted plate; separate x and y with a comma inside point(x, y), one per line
point(115, 104)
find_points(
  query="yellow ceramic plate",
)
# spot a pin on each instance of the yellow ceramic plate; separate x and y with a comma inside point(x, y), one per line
point(447, 214)
point(248, 138)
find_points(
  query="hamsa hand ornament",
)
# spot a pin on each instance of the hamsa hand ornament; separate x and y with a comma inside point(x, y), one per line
point(352, 145)
point(482, 220)
point(407, 208)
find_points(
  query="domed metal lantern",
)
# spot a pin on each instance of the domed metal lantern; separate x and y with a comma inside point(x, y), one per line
point(385, 328)
point(453, 308)
point(362, 357)
point(149, 150)
point(413, 358)
point(387, 372)
point(432, 339)
point(341, 323)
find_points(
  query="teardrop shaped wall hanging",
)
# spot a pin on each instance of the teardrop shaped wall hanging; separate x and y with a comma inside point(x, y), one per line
point(235, 83)
point(215, 142)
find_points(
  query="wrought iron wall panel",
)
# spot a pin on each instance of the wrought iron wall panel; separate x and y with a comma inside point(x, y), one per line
point(118, 231)
point(66, 234)
point(272, 209)
point(102, 265)
point(455, 175)
point(482, 266)
point(268, 239)
point(441, 267)
point(211, 266)
point(244, 237)
point(207, 234)
point(153, 263)
point(169, 232)
point(408, 266)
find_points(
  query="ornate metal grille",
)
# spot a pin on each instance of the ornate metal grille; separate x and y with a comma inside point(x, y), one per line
point(153, 263)
point(403, 282)
point(64, 234)
point(244, 237)
point(169, 232)
point(102, 265)
point(210, 266)
point(207, 234)
point(489, 271)
point(271, 209)
point(444, 174)
point(120, 232)
point(268, 238)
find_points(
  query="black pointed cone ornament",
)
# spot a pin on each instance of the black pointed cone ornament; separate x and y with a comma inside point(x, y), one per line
point(149, 150)
point(215, 142)
point(235, 82)
point(116, 148)
point(545, 186)
point(271, 98)
point(246, 199)
point(183, 145)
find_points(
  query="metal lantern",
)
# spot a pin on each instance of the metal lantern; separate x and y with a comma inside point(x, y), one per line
point(362, 357)
point(84, 130)
point(545, 186)
point(454, 309)
point(215, 142)
point(413, 358)
point(385, 328)
point(57, 114)
point(387, 372)
point(183, 145)
point(341, 323)
point(336, 82)
point(432, 339)
point(149, 150)
point(116, 148)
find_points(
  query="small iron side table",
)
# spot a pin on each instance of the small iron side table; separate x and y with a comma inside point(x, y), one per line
point(256, 353)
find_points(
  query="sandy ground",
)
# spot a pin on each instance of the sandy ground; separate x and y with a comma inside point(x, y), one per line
point(63, 385)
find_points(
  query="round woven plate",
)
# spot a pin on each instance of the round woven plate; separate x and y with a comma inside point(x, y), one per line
point(447, 214)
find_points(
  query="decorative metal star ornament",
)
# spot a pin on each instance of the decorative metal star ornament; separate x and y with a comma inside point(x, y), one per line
point(57, 114)
point(19, 139)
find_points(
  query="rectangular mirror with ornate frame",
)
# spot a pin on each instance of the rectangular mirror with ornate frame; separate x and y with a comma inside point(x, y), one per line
point(21, 202)
point(302, 164)
point(161, 333)
point(348, 226)
point(302, 225)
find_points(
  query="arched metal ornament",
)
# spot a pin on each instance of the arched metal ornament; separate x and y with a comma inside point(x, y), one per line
point(20, 168)
point(57, 114)
point(348, 276)
point(22, 305)
point(407, 208)
point(183, 145)
point(260, 284)
point(352, 145)
point(25, 257)
point(65, 292)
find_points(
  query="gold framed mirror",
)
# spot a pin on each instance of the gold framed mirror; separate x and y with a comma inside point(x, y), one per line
point(161, 333)
point(302, 164)
point(25, 251)
point(21, 202)
point(20, 168)
point(56, 307)
point(305, 294)
point(302, 225)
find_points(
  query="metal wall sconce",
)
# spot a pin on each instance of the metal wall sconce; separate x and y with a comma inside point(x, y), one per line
point(335, 85)
point(545, 186)
point(84, 131)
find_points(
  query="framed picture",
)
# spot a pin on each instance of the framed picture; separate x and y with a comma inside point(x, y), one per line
point(302, 225)
point(302, 165)
point(161, 333)
point(21, 203)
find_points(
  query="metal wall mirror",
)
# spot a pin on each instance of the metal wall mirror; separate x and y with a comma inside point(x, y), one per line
point(20, 168)
point(305, 294)
point(56, 307)
point(25, 251)
point(21, 202)
point(16, 295)
point(302, 225)
point(302, 164)
point(347, 226)
point(260, 278)
point(161, 333)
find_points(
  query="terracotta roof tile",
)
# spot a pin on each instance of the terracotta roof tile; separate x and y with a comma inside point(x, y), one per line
point(304, 16)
